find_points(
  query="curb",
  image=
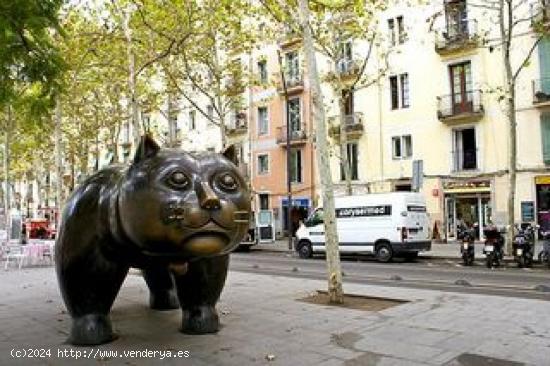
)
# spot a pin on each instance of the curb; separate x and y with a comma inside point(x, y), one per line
point(428, 257)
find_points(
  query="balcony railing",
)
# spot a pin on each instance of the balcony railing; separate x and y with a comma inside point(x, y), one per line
point(237, 124)
point(540, 15)
point(296, 136)
point(541, 91)
point(294, 83)
point(288, 37)
point(456, 37)
point(460, 107)
point(348, 67)
point(464, 160)
point(353, 125)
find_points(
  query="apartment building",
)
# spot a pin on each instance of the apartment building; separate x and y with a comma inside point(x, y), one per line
point(438, 103)
point(271, 112)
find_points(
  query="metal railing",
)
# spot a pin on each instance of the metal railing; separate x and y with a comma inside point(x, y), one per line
point(464, 160)
point(451, 105)
point(237, 122)
point(456, 35)
point(541, 90)
point(295, 135)
point(348, 66)
point(352, 123)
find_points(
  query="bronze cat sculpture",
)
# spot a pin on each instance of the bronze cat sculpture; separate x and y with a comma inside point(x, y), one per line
point(173, 214)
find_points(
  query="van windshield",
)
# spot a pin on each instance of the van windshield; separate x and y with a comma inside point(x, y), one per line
point(315, 218)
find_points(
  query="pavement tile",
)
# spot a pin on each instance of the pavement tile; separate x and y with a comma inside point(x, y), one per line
point(262, 317)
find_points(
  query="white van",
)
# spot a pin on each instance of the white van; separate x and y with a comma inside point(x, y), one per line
point(383, 224)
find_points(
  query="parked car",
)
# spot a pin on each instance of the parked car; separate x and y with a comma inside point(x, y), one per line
point(383, 224)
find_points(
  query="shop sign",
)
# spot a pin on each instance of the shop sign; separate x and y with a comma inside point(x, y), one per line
point(545, 179)
point(527, 211)
point(467, 186)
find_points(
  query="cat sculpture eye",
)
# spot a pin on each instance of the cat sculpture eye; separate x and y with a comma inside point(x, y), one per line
point(227, 182)
point(178, 180)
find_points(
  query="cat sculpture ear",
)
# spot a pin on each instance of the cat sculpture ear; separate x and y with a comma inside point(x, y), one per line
point(147, 148)
point(230, 154)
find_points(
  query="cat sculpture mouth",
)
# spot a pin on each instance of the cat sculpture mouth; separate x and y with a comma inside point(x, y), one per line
point(206, 242)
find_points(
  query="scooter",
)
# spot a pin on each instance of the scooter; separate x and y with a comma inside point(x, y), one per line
point(523, 245)
point(494, 246)
point(544, 255)
point(467, 248)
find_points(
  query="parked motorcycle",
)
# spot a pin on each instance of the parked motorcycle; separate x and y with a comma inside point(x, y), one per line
point(544, 255)
point(523, 245)
point(494, 246)
point(467, 248)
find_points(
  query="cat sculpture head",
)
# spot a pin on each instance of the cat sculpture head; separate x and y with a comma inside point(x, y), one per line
point(174, 204)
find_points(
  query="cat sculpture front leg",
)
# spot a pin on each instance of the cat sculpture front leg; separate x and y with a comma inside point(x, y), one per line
point(198, 291)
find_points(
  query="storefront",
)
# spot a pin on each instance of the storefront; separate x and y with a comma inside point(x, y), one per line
point(467, 203)
point(542, 184)
point(299, 212)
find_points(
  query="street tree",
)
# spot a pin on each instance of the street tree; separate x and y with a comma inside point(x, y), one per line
point(205, 64)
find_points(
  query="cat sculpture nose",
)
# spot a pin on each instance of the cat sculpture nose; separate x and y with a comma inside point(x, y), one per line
point(207, 198)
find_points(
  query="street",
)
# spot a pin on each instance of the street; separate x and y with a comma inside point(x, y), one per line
point(443, 275)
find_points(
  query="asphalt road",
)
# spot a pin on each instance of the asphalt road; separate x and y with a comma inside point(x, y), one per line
point(423, 274)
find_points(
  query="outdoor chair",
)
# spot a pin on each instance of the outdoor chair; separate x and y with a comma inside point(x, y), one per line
point(18, 254)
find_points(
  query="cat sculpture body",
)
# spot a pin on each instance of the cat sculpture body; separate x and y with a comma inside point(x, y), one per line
point(174, 215)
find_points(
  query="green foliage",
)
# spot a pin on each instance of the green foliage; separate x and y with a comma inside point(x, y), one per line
point(28, 55)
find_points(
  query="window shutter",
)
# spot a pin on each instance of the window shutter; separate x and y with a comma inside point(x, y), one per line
point(544, 61)
point(545, 134)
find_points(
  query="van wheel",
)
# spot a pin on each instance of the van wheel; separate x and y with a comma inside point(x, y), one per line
point(304, 250)
point(384, 252)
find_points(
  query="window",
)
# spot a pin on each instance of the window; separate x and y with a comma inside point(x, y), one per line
point(296, 166)
point(264, 201)
point(262, 71)
point(263, 164)
point(263, 123)
point(396, 30)
point(545, 134)
point(293, 114)
point(464, 149)
point(402, 147)
point(352, 162)
point(192, 122)
point(461, 87)
point(345, 61)
point(399, 91)
point(292, 67)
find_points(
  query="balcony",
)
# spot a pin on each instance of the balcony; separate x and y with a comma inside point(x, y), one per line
point(455, 38)
point(353, 126)
point(346, 69)
point(540, 16)
point(288, 38)
point(464, 160)
point(460, 107)
point(297, 137)
point(541, 92)
point(294, 83)
point(237, 124)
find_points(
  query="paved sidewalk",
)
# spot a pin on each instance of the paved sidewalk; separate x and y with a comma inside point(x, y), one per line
point(263, 324)
point(439, 250)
